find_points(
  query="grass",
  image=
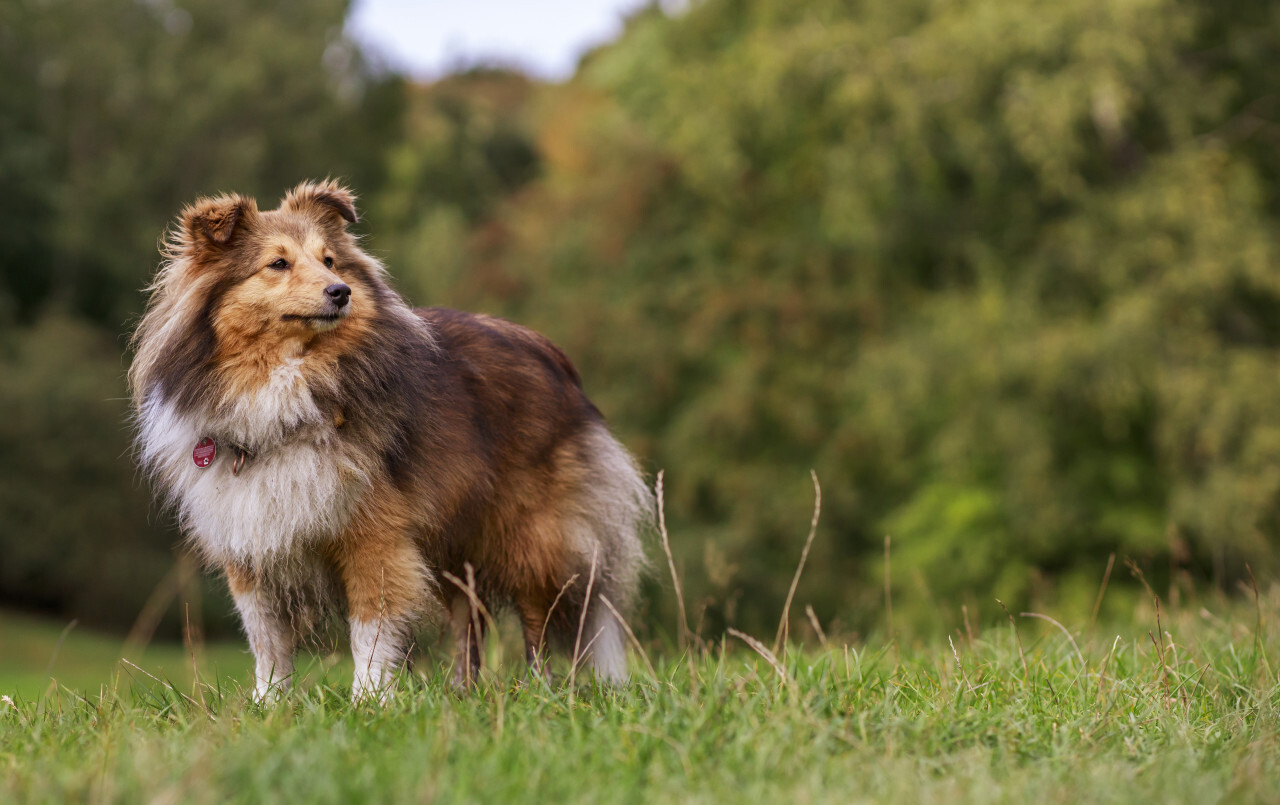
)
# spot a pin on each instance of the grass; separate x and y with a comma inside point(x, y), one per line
point(1111, 715)
point(37, 656)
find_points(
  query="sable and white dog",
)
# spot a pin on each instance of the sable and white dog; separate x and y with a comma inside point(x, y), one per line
point(331, 449)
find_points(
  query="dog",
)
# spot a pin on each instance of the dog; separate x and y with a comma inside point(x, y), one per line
point(332, 450)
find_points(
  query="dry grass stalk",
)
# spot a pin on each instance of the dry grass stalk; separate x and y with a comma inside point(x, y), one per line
point(189, 639)
point(1163, 670)
point(682, 625)
point(1257, 603)
point(1097, 604)
point(17, 710)
point(586, 654)
point(635, 643)
point(763, 651)
point(377, 634)
point(582, 619)
point(1259, 634)
point(478, 609)
point(470, 593)
point(817, 627)
point(48, 671)
point(474, 602)
point(963, 676)
point(1063, 629)
point(542, 636)
point(1102, 674)
point(159, 681)
point(1177, 667)
point(784, 625)
point(888, 597)
point(1021, 654)
point(166, 590)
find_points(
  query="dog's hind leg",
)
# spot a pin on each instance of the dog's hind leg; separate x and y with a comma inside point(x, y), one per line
point(533, 621)
point(595, 640)
point(271, 636)
point(608, 652)
point(468, 627)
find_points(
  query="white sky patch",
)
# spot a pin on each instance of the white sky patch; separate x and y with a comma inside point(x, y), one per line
point(428, 38)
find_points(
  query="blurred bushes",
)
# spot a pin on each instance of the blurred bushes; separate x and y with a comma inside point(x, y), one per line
point(113, 114)
point(77, 536)
point(123, 110)
point(1003, 273)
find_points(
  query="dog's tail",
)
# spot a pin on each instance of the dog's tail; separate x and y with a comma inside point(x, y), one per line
point(617, 512)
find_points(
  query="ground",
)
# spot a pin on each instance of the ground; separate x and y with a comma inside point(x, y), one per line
point(1022, 712)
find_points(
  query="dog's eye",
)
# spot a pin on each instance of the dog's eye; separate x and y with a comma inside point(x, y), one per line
point(328, 262)
point(280, 264)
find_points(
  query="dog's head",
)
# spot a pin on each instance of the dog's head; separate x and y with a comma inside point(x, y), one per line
point(289, 273)
point(244, 288)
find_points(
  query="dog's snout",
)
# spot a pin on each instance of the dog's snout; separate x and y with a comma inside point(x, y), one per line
point(338, 293)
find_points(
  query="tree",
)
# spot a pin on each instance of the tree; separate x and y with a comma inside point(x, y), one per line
point(1003, 273)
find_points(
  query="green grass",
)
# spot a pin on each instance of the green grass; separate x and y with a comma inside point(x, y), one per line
point(37, 656)
point(1007, 717)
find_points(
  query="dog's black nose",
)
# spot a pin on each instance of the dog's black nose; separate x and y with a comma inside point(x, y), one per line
point(339, 294)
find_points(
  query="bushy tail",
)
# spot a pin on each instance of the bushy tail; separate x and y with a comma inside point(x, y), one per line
point(617, 511)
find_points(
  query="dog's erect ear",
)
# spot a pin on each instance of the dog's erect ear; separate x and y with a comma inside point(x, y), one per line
point(217, 221)
point(327, 198)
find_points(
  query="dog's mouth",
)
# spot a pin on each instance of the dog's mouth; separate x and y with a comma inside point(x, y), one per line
point(318, 321)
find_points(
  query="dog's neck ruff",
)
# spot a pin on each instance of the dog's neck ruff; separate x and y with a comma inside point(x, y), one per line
point(300, 488)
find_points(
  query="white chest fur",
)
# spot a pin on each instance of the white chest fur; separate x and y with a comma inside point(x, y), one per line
point(299, 487)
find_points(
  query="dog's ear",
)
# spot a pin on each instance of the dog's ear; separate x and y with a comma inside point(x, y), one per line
point(325, 198)
point(217, 221)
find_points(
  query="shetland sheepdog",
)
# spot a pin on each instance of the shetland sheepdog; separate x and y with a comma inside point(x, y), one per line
point(330, 449)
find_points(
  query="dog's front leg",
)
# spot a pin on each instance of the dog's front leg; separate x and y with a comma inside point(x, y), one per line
point(271, 636)
point(386, 584)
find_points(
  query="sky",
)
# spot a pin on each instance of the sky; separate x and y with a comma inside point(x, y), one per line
point(428, 38)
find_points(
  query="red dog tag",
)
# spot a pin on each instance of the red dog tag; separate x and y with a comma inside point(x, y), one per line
point(203, 454)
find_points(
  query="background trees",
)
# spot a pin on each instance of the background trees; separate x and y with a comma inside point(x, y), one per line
point(112, 116)
point(1003, 273)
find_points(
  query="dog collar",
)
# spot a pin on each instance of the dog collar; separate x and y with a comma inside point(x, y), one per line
point(207, 449)
point(242, 455)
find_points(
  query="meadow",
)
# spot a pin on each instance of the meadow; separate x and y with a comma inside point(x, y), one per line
point(1174, 706)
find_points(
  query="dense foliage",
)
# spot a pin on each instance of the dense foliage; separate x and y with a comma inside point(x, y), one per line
point(1002, 273)
point(112, 116)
